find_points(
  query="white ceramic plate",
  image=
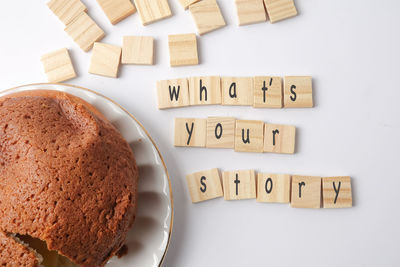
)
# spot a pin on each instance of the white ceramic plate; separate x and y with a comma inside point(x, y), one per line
point(149, 238)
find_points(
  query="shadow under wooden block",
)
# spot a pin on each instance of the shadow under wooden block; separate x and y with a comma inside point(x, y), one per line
point(279, 138)
point(183, 49)
point(250, 11)
point(280, 9)
point(117, 10)
point(239, 184)
point(190, 132)
point(237, 91)
point(298, 92)
point(273, 188)
point(268, 92)
point(138, 50)
point(105, 60)
point(306, 192)
point(336, 192)
point(221, 132)
point(207, 16)
point(205, 90)
point(204, 185)
point(249, 136)
point(152, 11)
point(172, 93)
point(66, 11)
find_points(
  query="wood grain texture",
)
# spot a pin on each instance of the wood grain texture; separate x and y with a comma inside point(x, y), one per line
point(84, 31)
point(268, 92)
point(306, 192)
point(138, 50)
point(183, 49)
point(105, 60)
point(237, 91)
point(66, 10)
point(207, 16)
point(58, 66)
point(250, 11)
point(204, 185)
point(186, 3)
point(205, 90)
point(190, 132)
point(243, 188)
point(249, 136)
point(280, 9)
point(172, 93)
point(117, 10)
point(340, 184)
point(273, 188)
point(221, 132)
point(279, 138)
point(298, 92)
point(152, 10)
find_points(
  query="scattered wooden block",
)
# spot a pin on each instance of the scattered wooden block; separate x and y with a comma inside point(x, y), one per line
point(84, 31)
point(249, 136)
point(207, 16)
point(183, 49)
point(117, 10)
point(186, 3)
point(298, 92)
point(138, 50)
point(273, 188)
point(204, 185)
point(172, 93)
point(237, 91)
point(239, 184)
point(306, 192)
point(66, 10)
point(152, 11)
point(279, 138)
point(105, 60)
point(250, 11)
point(267, 92)
point(280, 9)
point(190, 132)
point(336, 192)
point(205, 90)
point(58, 66)
point(221, 132)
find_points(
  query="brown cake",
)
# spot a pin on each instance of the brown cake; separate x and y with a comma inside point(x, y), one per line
point(67, 177)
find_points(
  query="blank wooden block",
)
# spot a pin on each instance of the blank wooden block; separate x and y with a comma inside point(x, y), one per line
point(207, 16)
point(250, 11)
point(186, 3)
point(273, 188)
point(152, 11)
point(190, 132)
point(306, 192)
point(221, 132)
point(268, 92)
point(237, 91)
point(239, 184)
point(138, 50)
point(117, 10)
point(105, 60)
point(183, 49)
point(204, 185)
point(84, 31)
point(205, 90)
point(66, 10)
point(249, 136)
point(280, 9)
point(279, 138)
point(298, 92)
point(336, 192)
point(58, 66)
point(172, 93)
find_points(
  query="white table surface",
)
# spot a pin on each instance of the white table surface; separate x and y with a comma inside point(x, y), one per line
point(352, 50)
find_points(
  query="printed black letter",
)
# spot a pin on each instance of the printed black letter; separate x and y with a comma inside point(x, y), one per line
point(336, 191)
point(293, 98)
point(189, 132)
point(269, 180)
point(274, 132)
point(232, 94)
point(237, 182)
point(204, 187)
point(218, 126)
point(248, 137)
point(203, 89)
point(300, 185)
point(174, 93)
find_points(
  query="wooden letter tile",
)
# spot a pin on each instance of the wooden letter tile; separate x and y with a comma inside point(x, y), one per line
point(186, 3)
point(306, 192)
point(117, 10)
point(336, 192)
point(239, 184)
point(250, 11)
point(138, 50)
point(190, 132)
point(58, 66)
point(298, 92)
point(66, 10)
point(237, 91)
point(205, 90)
point(207, 16)
point(172, 93)
point(221, 132)
point(105, 60)
point(84, 31)
point(183, 49)
point(279, 138)
point(280, 9)
point(273, 188)
point(267, 92)
point(204, 185)
point(152, 10)
point(249, 136)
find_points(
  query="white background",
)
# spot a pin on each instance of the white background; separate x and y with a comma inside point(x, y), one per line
point(352, 50)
